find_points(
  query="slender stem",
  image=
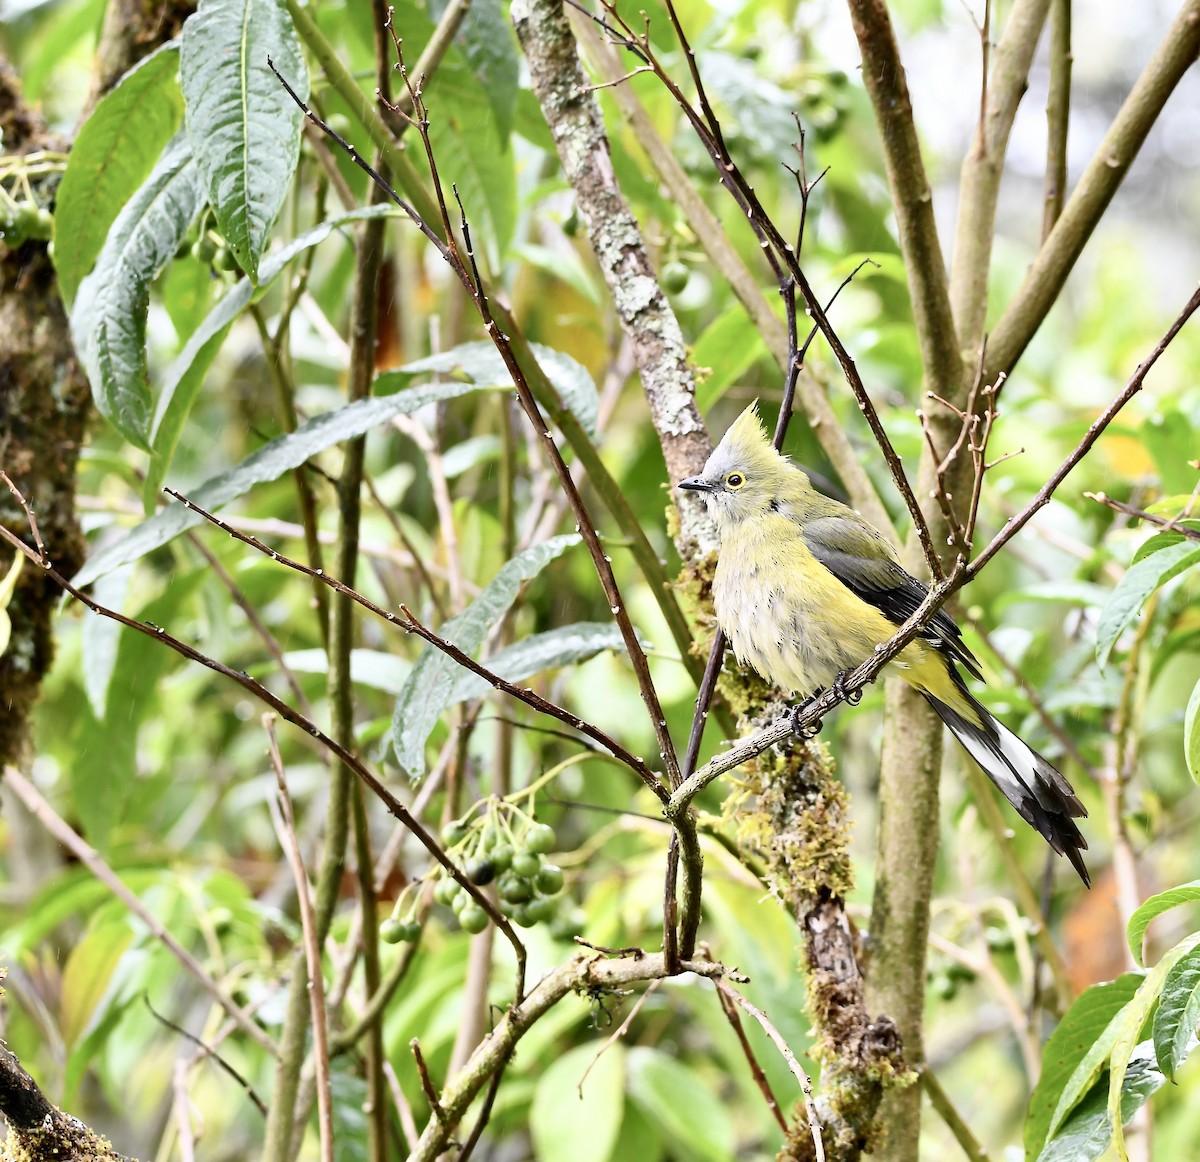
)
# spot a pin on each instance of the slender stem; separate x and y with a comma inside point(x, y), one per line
point(940, 1101)
point(1097, 185)
point(1058, 115)
point(312, 945)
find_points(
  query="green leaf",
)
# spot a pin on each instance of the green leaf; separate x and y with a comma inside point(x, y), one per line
point(184, 378)
point(88, 975)
point(1163, 540)
point(565, 1103)
point(562, 264)
point(431, 683)
point(1154, 907)
point(1129, 1024)
point(697, 1126)
point(269, 463)
point(371, 668)
point(112, 155)
point(538, 652)
point(1142, 579)
point(102, 638)
point(244, 128)
point(481, 363)
point(108, 320)
point(1171, 438)
point(486, 40)
point(473, 155)
point(1178, 1014)
point(1191, 734)
point(727, 347)
point(1074, 1057)
point(1087, 1132)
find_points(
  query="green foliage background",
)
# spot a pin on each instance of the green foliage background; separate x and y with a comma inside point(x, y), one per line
point(160, 764)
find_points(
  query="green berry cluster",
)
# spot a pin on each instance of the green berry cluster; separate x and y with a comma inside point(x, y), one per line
point(505, 847)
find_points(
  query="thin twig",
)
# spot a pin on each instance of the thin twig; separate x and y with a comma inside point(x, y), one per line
point(810, 1109)
point(289, 714)
point(410, 623)
point(286, 826)
point(427, 1086)
point(760, 1078)
point(1163, 522)
point(953, 1119)
point(208, 1051)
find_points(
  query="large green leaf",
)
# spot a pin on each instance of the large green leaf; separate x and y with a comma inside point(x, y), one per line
point(88, 975)
point(697, 1127)
point(1155, 906)
point(1087, 1132)
point(486, 40)
point(1178, 1014)
point(1074, 1057)
point(540, 652)
point(108, 321)
point(112, 155)
point(183, 379)
point(473, 155)
point(578, 1119)
point(1129, 1024)
point(269, 463)
point(1191, 734)
point(430, 686)
point(1142, 579)
point(725, 349)
point(481, 363)
point(244, 128)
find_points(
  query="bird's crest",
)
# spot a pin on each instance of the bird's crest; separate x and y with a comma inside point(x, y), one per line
point(747, 443)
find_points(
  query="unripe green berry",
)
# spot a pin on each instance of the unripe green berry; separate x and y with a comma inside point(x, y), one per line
point(540, 838)
point(549, 879)
point(473, 918)
point(453, 833)
point(540, 909)
point(513, 889)
point(526, 864)
point(392, 931)
point(674, 278)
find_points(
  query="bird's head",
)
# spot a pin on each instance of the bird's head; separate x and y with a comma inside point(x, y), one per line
point(744, 474)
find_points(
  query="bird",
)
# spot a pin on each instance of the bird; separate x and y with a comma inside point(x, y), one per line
point(805, 589)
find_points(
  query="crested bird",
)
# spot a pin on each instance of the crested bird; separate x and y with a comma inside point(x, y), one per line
point(805, 589)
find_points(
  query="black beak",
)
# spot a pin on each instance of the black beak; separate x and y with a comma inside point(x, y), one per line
point(696, 484)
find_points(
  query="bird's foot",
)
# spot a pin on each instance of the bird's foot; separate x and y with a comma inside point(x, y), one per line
point(853, 697)
point(807, 730)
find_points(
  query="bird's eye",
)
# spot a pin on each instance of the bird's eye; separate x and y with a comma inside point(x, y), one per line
point(735, 480)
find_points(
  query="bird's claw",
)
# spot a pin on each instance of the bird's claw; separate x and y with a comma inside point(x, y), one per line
point(809, 730)
point(852, 697)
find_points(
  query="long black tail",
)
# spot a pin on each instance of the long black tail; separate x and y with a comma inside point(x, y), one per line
point(1042, 797)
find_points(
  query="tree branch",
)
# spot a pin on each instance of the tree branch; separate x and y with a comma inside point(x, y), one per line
point(1098, 184)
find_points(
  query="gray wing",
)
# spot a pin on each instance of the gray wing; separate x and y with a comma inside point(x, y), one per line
point(863, 561)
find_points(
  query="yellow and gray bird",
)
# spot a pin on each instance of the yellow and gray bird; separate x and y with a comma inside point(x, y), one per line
point(805, 590)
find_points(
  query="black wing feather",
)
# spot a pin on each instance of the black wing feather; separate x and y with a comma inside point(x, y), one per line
point(850, 550)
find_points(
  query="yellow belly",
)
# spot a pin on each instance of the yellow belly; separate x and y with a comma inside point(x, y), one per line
point(790, 618)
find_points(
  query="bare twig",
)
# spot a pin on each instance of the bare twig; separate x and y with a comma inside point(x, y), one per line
point(286, 826)
point(208, 1051)
point(427, 1086)
point(1163, 522)
point(760, 1078)
point(409, 622)
point(1058, 115)
point(797, 1069)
